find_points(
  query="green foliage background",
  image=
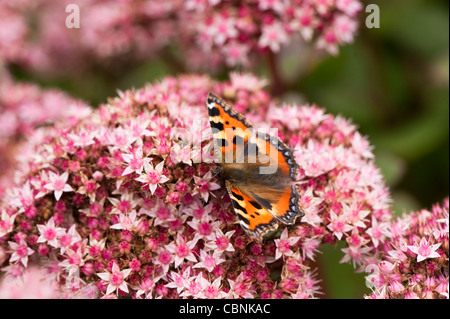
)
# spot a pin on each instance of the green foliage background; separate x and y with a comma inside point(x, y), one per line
point(393, 83)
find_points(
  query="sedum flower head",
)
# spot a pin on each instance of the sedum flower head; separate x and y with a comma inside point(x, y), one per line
point(415, 260)
point(124, 211)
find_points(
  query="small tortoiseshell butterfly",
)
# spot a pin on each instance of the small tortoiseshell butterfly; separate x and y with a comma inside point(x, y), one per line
point(259, 171)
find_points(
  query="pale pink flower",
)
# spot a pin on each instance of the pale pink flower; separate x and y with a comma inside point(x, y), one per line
point(305, 21)
point(273, 36)
point(309, 246)
point(127, 221)
point(126, 203)
point(443, 229)
point(328, 41)
point(378, 231)
point(58, 184)
point(424, 250)
point(284, 244)
point(82, 139)
point(356, 216)
point(247, 81)
point(204, 226)
point(386, 267)
point(182, 249)
point(95, 246)
point(135, 162)
point(145, 287)
point(23, 196)
point(181, 154)
point(236, 53)
point(338, 224)
point(209, 260)
point(222, 29)
point(69, 238)
point(222, 242)
point(350, 7)
point(345, 28)
point(362, 145)
point(39, 184)
point(115, 279)
point(73, 261)
point(152, 176)
point(443, 290)
point(20, 252)
point(316, 158)
point(179, 281)
point(205, 186)
point(161, 212)
point(6, 223)
point(50, 234)
point(356, 255)
point(194, 287)
point(138, 129)
point(239, 289)
point(164, 258)
point(211, 290)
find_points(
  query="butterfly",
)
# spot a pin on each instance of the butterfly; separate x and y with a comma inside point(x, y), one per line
point(259, 171)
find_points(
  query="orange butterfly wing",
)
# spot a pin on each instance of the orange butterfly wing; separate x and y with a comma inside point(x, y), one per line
point(231, 130)
point(253, 217)
point(257, 201)
point(285, 208)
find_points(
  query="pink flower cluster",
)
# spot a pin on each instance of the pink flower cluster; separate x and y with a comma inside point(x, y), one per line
point(210, 32)
point(128, 201)
point(415, 259)
point(23, 108)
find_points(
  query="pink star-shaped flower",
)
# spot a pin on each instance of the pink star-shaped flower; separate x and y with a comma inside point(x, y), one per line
point(338, 224)
point(153, 176)
point(127, 221)
point(209, 260)
point(116, 279)
point(20, 252)
point(182, 249)
point(424, 250)
point(135, 162)
point(6, 223)
point(58, 184)
point(205, 186)
point(50, 233)
point(284, 244)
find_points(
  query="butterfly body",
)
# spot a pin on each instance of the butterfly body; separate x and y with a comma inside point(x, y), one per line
point(259, 170)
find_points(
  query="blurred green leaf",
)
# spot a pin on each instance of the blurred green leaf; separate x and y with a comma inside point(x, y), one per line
point(404, 202)
point(392, 166)
point(420, 25)
point(149, 72)
point(421, 134)
point(340, 280)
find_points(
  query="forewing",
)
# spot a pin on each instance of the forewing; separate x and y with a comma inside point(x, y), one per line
point(231, 130)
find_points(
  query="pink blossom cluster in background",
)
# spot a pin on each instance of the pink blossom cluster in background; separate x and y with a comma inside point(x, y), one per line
point(415, 262)
point(23, 108)
point(210, 33)
point(126, 203)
